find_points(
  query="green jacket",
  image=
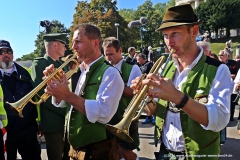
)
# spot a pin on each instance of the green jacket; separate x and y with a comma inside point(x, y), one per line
point(52, 118)
point(81, 131)
point(198, 141)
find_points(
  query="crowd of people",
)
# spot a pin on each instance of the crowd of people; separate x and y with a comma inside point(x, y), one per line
point(188, 105)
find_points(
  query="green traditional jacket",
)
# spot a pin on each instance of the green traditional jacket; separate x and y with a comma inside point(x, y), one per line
point(198, 141)
point(81, 131)
point(52, 118)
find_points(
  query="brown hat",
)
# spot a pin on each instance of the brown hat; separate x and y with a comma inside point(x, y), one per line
point(179, 15)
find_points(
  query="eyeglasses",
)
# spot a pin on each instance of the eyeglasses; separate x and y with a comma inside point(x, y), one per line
point(8, 51)
point(220, 55)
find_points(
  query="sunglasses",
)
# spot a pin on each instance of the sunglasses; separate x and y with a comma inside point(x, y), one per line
point(220, 55)
point(8, 51)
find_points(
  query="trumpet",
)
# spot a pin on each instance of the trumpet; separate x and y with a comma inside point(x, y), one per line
point(18, 106)
point(137, 104)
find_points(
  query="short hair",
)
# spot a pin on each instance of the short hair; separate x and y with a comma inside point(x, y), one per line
point(143, 56)
point(91, 31)
point(224, 52)
point(111, 41)
point(204, 44)
point(130, 49)
point(149, 48)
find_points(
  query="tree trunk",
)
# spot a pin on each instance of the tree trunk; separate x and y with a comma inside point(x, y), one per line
point(216, 32)
point(227, 32)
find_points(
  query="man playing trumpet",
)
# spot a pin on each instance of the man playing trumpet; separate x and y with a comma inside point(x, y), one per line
point(193, 92)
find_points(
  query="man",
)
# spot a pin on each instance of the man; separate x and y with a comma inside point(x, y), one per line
point(193, 106)
point(145, 67)
point(229, 49)
point(223, 56)
point(52, 118)
point(205, 46)
point(15, 84)
point(97, 89)
point(151, 54)
point(131, 58)
point(112, 51)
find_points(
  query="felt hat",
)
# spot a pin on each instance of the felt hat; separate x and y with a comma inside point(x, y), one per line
point(179, 15)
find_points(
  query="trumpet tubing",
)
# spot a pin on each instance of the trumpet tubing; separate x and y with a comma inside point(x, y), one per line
point(18, 106)
point(137, 104)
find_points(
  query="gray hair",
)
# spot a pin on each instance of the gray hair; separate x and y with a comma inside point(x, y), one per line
point(204, 44)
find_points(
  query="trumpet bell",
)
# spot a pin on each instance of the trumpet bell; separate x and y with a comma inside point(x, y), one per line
point(119, 132)
point(15, 109)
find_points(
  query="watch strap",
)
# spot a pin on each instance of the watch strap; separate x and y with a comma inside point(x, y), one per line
point(183, 102)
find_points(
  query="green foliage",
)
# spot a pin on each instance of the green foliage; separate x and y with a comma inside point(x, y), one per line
point(39, 43)
point(219, 14)
point(104, 14)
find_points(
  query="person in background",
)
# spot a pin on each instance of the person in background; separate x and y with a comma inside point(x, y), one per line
point(151, 54)
point(229, 49)
point(93, 99)
point(16, 82)
point(145, 67)
point(205, 46)
point(232, 65)
point(190, 98)
point(236, 90)
point(52, 118)
point(112, 51)
point(237, 58)
point(131, 58)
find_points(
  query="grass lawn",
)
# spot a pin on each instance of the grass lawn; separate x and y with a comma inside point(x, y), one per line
point(220, 44)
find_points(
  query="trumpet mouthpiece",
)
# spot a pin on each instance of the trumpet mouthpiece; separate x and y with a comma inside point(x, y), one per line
point(173, 50)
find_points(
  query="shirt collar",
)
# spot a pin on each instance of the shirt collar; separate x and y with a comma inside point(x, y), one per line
point(176, 63)
point(82, 67)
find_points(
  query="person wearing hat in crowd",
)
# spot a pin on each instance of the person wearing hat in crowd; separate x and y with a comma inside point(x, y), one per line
point(93, 99)
point(52, 118)
point(192, 105)
point(15, 83)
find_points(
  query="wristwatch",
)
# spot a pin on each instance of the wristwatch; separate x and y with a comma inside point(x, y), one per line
point(183, 102)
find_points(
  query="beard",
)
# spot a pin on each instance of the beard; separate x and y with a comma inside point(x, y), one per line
point(6, 65)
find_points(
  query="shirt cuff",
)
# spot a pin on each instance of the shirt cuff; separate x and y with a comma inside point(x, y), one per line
point(212, 120)
point(57, 104)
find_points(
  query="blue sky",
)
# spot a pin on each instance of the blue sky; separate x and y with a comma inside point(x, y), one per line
point(20, 19)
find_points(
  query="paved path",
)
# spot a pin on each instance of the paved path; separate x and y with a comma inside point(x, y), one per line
point(230, 150)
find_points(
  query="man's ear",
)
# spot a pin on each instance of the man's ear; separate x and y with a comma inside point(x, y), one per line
point(195, 30)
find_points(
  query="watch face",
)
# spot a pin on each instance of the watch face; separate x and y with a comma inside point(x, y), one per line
point(172, 107)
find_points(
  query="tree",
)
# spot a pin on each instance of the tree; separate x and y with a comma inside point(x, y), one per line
point(104, 14)
point(39, 43)
point(154, 15)
point(219, 14)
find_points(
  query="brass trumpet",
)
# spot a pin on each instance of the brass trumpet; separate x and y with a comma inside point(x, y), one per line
point(18, 106)
point(137, 104)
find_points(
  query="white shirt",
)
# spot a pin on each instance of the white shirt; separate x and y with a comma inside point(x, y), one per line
point(109, 93)
point(236, 80)
point(135, 72)
point(218, 105)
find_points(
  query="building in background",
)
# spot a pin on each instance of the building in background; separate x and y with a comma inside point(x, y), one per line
point(195, 4)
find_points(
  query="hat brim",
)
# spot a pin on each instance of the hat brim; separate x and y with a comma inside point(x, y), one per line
point(173, 24)
point(5, 47)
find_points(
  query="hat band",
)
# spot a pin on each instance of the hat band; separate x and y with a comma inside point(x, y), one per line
point(179, 20)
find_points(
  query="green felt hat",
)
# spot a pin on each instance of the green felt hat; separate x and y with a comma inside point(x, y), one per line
point(61, 37)
point(179, 15)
